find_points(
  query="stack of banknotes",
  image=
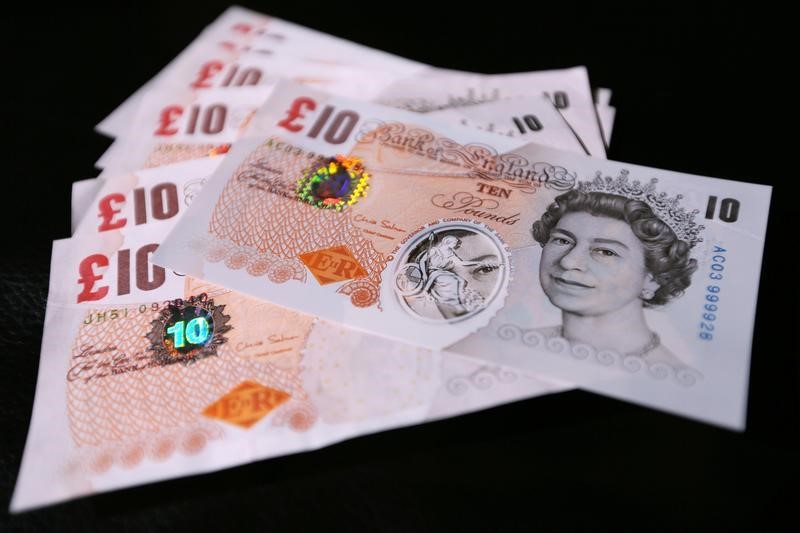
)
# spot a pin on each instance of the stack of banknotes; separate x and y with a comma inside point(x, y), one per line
point(296, 239)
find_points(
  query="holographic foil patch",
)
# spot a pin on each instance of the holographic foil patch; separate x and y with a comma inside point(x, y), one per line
point(188, 330)
point(335, 183)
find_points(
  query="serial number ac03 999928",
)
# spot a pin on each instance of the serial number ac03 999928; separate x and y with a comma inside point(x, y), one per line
point(712, 293)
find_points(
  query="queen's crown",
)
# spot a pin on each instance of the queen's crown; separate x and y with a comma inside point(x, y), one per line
point(665, 208)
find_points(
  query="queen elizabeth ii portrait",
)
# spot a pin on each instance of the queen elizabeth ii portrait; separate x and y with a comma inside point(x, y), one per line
point(610, 249)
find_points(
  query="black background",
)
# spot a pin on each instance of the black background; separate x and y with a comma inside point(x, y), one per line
point(694, 93)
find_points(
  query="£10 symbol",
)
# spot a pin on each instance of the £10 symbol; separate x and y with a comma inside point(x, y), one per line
point(242, 27)
point(209, 70)
point(148, 277)
point(163, 205)
point(196, 332)
point(211, 120)
point(335, 128)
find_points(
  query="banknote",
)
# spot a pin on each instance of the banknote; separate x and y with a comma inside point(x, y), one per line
point(192, 108)
point(202, 66)
point(532, 118)
point(148, 374)
point(392, 227)
point(336, 238)
point(145, 197)
point(172, 125)
point(567, 89)
point(239, 32)
point(208, 67)
point(214, 67)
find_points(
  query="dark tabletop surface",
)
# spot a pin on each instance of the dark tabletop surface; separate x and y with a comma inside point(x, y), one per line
point(694, 92)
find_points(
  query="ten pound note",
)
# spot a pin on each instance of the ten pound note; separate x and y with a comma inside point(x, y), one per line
point(631, 281)
point(147, 374)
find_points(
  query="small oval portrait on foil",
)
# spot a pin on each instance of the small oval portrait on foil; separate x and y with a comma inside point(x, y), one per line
point(450, 272)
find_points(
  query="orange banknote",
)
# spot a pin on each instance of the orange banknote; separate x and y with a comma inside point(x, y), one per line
point(324, 203)
point(148, 374)
point(636, 282)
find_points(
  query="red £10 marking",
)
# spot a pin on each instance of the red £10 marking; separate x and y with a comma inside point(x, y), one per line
point(336, 131)
point(108, 211)
point(242, 27)
point(232, 77)
point(207, 71)
point(88, 277)
point(163, 205)
point(148, 276)
point(296, 111)
point(211, 119)
point(169, 115)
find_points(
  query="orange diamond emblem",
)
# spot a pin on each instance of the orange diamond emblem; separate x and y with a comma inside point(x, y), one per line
point(333, 264)
point(246, 404)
